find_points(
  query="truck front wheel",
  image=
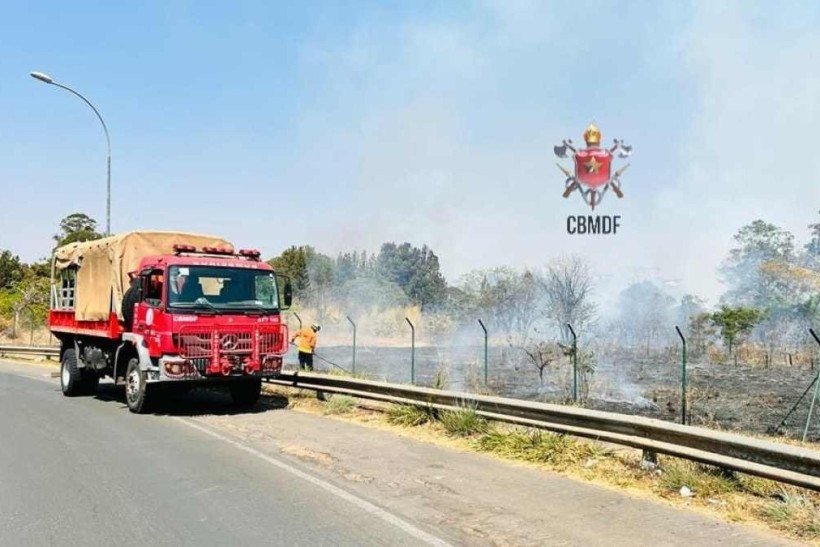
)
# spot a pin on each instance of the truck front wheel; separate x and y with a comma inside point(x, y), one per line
point(71, 380)
point(136, 388)
point(245, 393)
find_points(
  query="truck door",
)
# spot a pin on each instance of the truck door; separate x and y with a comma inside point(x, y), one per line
point(152, 283)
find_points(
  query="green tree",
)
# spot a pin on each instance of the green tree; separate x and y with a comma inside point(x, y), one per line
point(293, 262)
point(321, 277)
point(11, 269)
point(415, 270)
point(690, 306)
point(700, 332)
point(76, 227)
point(349, 266)
point(311, 273)
point(812, 248)
point(507, 299)
point(735, 322)
point(27, 299)
point(759, 244)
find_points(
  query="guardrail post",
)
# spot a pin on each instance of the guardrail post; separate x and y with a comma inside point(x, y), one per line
point(649, 459)
point(816, 391)
point(480, 322)
point(296, 315)
point(353, 367)
point(412, 351)
point(682, 378)
point(574, 363)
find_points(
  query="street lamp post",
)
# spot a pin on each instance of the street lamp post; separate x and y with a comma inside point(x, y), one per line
point(49, 80)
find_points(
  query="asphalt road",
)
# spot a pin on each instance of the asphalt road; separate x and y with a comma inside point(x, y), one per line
point(85, 471)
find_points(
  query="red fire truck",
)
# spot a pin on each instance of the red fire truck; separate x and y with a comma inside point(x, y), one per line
point(158, 310)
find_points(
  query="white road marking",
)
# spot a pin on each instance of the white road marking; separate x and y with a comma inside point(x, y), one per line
point(335, 490)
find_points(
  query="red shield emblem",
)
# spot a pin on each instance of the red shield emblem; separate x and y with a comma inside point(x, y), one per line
point(592, 166)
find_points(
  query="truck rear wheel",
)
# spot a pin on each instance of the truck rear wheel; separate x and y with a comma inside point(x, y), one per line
point(246, 393)
point(136, 388)
point(71, 380)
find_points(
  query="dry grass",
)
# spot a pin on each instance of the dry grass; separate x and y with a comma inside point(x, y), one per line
point(795, 514)
point(743, 498)
point(702, 480)
point(532, 445)
point(40, 337)
point(339, 404)
point(409, 415)
point(464, 422)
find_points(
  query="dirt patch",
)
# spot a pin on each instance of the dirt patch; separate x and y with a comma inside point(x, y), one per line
point(306, 454)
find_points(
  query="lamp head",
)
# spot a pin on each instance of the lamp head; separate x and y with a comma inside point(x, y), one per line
point(42, 77)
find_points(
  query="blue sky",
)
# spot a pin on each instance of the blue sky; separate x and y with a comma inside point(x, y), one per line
point(346, 124)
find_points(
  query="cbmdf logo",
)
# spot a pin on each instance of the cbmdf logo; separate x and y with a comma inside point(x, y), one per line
point(592, 177)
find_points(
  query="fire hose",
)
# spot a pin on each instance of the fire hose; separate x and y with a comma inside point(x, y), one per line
point(328, 361)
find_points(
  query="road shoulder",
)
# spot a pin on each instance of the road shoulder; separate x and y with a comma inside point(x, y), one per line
point(477, 499)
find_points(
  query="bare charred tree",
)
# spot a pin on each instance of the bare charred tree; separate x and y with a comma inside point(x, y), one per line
point(567, 286)
point(541, 355)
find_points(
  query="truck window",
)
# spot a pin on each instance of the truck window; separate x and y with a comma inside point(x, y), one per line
point(153, 288)
point(64, 289)
point(222, 288)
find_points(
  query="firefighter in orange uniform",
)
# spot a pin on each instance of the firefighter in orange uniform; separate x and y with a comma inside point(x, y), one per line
point(306, 345)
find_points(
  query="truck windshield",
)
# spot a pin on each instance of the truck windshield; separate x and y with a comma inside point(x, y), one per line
point(222, 288)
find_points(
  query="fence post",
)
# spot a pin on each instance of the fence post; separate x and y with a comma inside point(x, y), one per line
point(574, 363)
point(353, 368)
point(480, 322)
point(682, 378)
point(412, 351)
point(816, 391)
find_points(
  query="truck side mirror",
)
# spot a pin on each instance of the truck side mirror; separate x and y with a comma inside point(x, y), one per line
point(138, 284)
point(285, 291)
point(288, 297)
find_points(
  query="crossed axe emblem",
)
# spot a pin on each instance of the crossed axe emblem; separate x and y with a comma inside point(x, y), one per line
point(592, 196)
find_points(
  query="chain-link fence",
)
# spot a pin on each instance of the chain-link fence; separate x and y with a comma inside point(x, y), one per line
point(648, 382)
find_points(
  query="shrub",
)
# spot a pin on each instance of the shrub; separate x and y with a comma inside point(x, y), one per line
point(704, 481)
point(409, 415)
point(538, 446)
point(463, 422)
point(796, 514)
point(339, 404)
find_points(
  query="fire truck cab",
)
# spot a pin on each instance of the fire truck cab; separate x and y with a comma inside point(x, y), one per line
point(160, 310)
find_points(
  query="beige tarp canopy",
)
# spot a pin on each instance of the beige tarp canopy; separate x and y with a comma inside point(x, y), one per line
point(104, 265)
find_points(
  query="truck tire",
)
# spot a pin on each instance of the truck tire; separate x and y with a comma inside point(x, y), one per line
point(245, 393)
point(136, 388)
point(129, 299)
point(71, 380)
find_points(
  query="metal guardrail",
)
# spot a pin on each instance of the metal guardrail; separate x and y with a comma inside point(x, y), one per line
point(789, 464)
point(43, 351)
